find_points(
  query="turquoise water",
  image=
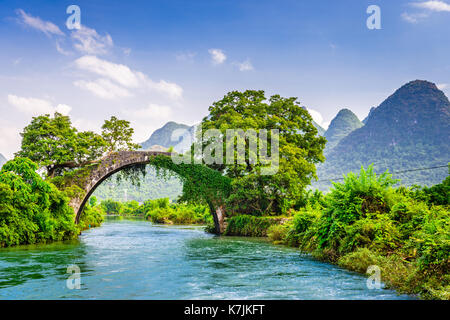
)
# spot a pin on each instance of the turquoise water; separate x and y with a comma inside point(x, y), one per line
point(134, 259)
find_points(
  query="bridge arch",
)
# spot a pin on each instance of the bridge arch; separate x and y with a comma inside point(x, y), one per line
point(118, 161)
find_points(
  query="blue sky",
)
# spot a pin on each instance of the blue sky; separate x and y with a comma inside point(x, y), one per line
point(154, 61)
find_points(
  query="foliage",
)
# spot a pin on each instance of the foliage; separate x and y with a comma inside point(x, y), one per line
point(350, 201)
point(277, 233)
point(364, 221)
point(300, 148)
point(56, 145)
point(31, 209)
point(112, 207)
point(200, 183)
point(92, 216)
point(438, 194)
point(118, 135)
point(246, 225)
point(160, 211)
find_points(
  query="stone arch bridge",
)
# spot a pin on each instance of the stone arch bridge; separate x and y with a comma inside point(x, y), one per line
point(117, 161)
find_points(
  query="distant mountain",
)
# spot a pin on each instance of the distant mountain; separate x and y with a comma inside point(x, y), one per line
point(367, 118)
point(340, 127)
point(3, 160)
point(319, 128)
point(409, 130)
point(171, 134)
point(151, 187)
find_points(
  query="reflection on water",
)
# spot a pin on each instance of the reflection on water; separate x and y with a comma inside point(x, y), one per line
point(133, 259)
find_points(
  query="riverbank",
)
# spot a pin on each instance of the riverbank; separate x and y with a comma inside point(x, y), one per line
point(363, 222)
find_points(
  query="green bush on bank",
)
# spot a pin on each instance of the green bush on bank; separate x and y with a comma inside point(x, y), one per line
point(161, 211)
point(249, 226)
point(92, 215)
point(364, 221)
point(31, 209)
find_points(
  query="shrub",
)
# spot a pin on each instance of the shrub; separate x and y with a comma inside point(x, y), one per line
point(246, 225)
point(349, 201)
point(359, 260)
point(277, 233)
point(32, 210)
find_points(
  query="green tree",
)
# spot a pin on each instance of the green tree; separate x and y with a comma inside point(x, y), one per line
point(55, 144)
point(118, 135)
point(31, 209)
point(300, 149)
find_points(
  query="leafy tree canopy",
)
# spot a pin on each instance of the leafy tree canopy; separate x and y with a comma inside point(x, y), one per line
point(53, 143)
point(118, 135)
point(300, 148)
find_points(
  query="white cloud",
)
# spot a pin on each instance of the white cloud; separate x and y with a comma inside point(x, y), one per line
point(61, 50)
point(433, 5)
point(63, 109)
point(117, 72)
point(152, 111)
point(88, 41)
point(125, 77)
point(217, 56)
point(442, 86)
point(427, 7)
point(317, 117)
point(414, 17)
point(37, 23)
point(35, 106)
point(9, 139)
point(103, 88)
point(245, 66)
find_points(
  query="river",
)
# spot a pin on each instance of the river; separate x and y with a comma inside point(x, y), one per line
point(134, 259)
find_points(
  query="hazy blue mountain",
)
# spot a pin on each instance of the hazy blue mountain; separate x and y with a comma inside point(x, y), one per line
point(3, 160)
point(409, 130)
point(367, 118)
point(344, 123)
point(319, 128)
point(171, 134)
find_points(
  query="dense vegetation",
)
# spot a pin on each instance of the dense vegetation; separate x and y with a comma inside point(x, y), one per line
point(364, 221)
point(160, 211)
point(33, 210)
point(300, 148)
point(56, 145)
